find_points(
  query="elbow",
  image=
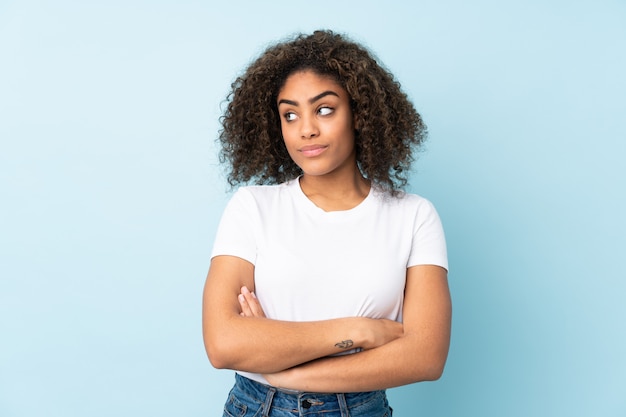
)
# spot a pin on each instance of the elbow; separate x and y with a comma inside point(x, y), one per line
point(430, 367)
point(436, 357)
point(219, 346)
point(434, 371)
point(425, 374)
point(217, 360)
point(220, 355)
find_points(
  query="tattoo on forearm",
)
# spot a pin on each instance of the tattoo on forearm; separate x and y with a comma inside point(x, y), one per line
point(344, 344)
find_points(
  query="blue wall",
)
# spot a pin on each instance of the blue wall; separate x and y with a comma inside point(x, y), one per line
point(110, 193)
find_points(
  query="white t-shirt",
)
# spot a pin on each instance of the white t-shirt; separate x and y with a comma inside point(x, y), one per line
point(317, 265)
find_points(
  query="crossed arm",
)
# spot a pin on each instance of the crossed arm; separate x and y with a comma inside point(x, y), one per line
point(296, 355)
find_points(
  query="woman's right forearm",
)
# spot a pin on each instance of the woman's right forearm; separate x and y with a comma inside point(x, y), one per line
point(263, 345)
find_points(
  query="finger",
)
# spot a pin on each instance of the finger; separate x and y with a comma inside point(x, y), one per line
point(255, 305)
point(253, 302)
point(245, 307)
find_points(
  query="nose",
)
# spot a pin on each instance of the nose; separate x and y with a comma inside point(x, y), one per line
point(308, 128)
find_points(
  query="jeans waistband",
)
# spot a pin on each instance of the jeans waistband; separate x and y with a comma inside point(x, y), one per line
point(269, 397)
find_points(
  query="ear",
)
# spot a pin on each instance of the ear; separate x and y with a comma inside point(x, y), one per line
point(356, 120)
point(356, 123)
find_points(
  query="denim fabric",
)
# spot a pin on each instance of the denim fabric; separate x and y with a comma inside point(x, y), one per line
point(249, 398)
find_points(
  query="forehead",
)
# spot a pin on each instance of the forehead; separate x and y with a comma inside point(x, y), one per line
point(309, 82)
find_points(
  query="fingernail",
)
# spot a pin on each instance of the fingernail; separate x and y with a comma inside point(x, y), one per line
point(245, 290)
point(253, 295)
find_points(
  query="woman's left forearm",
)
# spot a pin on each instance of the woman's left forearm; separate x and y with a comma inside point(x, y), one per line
point(401, 362)
point(419, 355)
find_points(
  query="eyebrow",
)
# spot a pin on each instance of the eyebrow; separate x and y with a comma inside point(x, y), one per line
point(311, 100)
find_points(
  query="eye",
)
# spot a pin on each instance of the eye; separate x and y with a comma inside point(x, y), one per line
point(289, 116)
point(325, 111)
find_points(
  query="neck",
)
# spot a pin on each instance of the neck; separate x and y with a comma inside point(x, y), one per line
point(335, 193)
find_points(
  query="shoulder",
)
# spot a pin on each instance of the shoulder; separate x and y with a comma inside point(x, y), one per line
point(262, 195)
point(407, 209)
point(262, 191)
point(403, 200)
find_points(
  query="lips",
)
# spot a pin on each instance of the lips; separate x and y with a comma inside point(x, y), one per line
point(312, 150)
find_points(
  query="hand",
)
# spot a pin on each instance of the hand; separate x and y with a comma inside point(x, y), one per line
point(380, 332)
point(250, 306)
point(376, 332)
point(288, 378)
point(279, 379)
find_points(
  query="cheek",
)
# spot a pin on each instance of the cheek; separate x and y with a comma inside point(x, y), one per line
point(288, 139)
point(348, 125)
point(290, 144)
point(348, 133)
point(284, 131)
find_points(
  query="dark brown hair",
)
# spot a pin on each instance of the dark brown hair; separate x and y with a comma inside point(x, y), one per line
point(387, 126)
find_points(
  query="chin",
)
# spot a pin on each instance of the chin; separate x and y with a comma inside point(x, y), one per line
point(314, 171)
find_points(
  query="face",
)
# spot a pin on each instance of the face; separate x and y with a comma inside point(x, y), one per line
point(317, 124)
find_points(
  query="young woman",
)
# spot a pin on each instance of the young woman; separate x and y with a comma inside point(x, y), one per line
point(327, 284)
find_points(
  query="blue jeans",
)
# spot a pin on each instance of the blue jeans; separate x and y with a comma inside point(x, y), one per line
point(249, 398)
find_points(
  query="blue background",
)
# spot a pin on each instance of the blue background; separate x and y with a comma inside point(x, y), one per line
point(111, 191)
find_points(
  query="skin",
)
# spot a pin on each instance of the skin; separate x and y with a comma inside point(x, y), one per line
point(423, 345)
point(261, 345)
point(318, 130)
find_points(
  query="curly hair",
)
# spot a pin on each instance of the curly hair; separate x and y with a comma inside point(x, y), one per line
point(387, 127)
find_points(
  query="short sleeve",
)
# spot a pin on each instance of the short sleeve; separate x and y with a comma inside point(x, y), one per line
point(236, 231)
point(429, 242)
